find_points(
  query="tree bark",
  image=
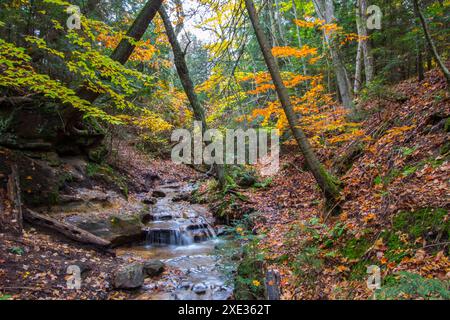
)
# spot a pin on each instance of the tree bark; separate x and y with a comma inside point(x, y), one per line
point(186, 81)
point(431, 44)
point(326, 182)
point(70, 231)
point(366, 47)
point(10, 200)
point(358, 69)
point(325, 11)
point(120, 54)
point(299, 37)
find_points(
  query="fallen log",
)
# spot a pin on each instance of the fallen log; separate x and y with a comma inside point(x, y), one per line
point(70, 231)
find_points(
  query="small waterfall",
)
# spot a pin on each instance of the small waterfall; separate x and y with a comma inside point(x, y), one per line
point(186, 233)
point(175, 223)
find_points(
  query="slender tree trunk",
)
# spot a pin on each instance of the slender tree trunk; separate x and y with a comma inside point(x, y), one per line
point(366, 47)
point(186, 81)
point(420, 68)
point(431, 44)
point(121, 54)
point(358, 69)
point(323, 178)
point(299, 37)
point(325, 11)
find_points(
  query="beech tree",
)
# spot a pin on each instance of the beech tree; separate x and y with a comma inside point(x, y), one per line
point(121, 54)
point(325, 11)
point(431, 45)
point(325, 180)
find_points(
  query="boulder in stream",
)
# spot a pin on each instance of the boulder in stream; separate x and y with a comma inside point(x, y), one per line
point(153, 268)
point(158, 194)
point(129, 276)
point(200, 288)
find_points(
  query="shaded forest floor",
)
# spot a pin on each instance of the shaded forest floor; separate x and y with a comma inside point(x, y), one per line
point(34, 266)
point(394, 208)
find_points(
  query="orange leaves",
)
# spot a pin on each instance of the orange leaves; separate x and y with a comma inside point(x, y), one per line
point(144, 50)
point(263, 81)
point(328, 28)
point(284, 52)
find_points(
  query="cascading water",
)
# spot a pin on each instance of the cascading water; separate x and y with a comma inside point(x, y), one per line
point(180, 235)
point(178, 232)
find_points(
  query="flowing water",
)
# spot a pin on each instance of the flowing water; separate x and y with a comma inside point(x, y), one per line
point(181, 235)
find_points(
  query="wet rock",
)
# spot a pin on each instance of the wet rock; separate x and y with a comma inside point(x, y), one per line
point(146, 218)
point(246, 180)
point(149, 200)
point(118, 230)
point(222, 231)
point(185, 196)
point(200, 288)
point(185, 285)
point(158, 194)
point(153, 268)
point(84, 267)
point(129, 276)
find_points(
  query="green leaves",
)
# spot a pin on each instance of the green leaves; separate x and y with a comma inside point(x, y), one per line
point(17, 250)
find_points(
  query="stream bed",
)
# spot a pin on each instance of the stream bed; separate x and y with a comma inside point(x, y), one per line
point(181, 235)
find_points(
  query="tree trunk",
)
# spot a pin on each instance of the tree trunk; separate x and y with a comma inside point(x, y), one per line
point(10, 201)
point(323, 178)
point(70, 231)
point(366, 48)
point(325, 11)
point(186, 81)
point(121, 54)
point(431, 44)
point(299, 37)
point(358, 66)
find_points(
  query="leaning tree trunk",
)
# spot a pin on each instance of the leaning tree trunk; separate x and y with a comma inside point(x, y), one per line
point(323, 178)
point(121, 54)
point(431, 44)
point(325, 11)
point(186, 81)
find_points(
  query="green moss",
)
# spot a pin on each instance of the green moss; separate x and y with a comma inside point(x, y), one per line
point(445, 149)
point(422, 223)
point(355, 248)
point(447, 125)
point(413, 286)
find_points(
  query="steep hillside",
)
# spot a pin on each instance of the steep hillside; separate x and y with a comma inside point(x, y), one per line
point(394, 208)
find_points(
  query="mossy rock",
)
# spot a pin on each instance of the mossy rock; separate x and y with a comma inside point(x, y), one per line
point(98, 154)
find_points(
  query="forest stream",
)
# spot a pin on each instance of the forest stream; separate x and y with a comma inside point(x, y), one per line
point(181, 235)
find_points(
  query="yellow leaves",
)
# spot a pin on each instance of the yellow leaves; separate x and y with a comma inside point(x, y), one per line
point(283, 52)
point(399, 130)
